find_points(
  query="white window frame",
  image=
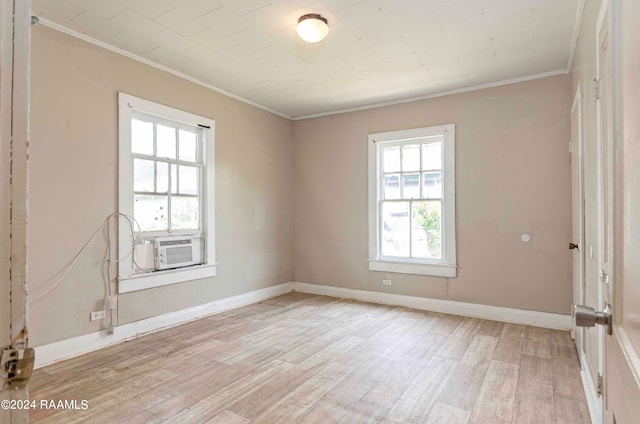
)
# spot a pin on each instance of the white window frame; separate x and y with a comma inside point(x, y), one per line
point(445, 266)
point(129, 281)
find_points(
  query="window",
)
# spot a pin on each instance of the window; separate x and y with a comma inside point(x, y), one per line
point(412, 201)
point(166, 182)
point(167, 174)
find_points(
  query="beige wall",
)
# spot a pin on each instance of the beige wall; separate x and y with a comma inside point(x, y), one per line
point(73, 185)
point(513, 176)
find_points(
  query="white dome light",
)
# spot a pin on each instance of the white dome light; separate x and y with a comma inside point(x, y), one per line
point(312, 28)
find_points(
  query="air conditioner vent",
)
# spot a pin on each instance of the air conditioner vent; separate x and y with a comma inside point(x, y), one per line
point(177, 252)
point(179, 255)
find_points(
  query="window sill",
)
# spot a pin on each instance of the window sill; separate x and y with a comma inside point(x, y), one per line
point(164, 278)
point(436, 270)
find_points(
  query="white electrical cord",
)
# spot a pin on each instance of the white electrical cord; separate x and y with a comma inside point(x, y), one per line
point(107, 263)
point(67, 269)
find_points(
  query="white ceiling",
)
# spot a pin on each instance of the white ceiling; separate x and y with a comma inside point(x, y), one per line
point(376, 51)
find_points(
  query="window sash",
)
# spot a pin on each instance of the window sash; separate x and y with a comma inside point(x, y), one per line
point(420, 142)
point(198, 164)
point(381, 203)
point(401, 185)
point(402, 199)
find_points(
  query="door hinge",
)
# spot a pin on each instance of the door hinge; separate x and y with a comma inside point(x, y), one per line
point(596, 89)
point(599, 384)
point(16, 366)
point(604, 277)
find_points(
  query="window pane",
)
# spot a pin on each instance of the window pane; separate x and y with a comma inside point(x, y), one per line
point(143, 175)
point(162, 179)
point(141, 137)
point(411, 186)
point(432, 156)
point(411, 157)
point(166, 142)
point(187, 145)
point(151, 212)
point(395, 229)
point(391, 159)
point(187, 180)
point(174, 179)
point(185, 213)
point(426, 230)
point(432, 185)
point(392, 186)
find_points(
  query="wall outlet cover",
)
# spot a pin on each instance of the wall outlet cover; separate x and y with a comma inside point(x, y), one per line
point(98, 315)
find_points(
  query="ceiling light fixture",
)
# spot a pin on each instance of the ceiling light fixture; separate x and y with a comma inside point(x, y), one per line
point(312, 28)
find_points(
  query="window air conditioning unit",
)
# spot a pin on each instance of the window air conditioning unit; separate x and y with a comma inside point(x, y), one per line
point(177, 252)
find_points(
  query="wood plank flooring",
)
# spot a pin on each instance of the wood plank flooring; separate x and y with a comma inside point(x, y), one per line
point(301, 358)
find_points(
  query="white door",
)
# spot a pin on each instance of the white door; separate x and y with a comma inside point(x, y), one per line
point(577, 202)
point(15, 34)
point(622, 382)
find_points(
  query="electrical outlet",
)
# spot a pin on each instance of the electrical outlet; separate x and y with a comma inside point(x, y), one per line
point(98, 315)
point(386, 282)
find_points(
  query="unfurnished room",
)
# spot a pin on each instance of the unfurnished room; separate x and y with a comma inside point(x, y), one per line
point(331, 211)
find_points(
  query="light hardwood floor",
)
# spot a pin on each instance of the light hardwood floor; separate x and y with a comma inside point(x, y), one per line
point(314, 359)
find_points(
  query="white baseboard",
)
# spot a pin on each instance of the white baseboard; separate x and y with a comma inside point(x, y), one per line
point(593, 401)
point(65, 349)
point(496, 313)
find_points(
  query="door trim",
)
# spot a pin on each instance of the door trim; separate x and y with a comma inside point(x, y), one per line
point(577, 152)
point(15, 24)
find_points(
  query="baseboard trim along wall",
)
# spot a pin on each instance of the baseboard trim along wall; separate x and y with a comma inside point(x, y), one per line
point(474, 310)
point(69, 348)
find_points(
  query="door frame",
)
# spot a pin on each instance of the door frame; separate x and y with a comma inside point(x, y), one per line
point(596, 402)
point(577, 156)
point(602, 170)
point(15, 45)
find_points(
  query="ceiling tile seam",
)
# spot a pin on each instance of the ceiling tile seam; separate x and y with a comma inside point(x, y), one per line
point(76, 15)
point(576, 33)
point(436, 95)
point(153, 64)
point(162, 14)
point(256, 9)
